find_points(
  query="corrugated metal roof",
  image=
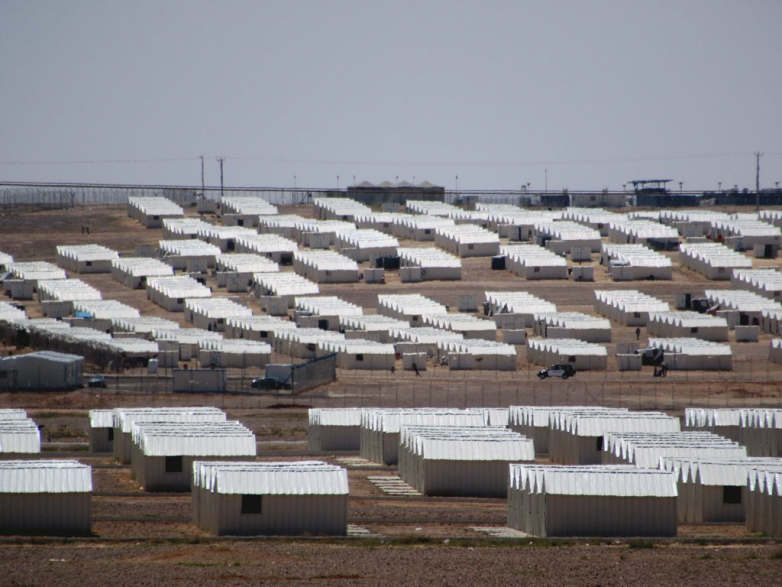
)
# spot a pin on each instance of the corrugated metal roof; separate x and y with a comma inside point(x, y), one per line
point(124, 418)
point(602, 480)
point(392, 420)
point(101, 418)
point(271, 478)
point(335, 416)
point(55, 476)
point(229, 438)
point(717, 471)
point(466, 443)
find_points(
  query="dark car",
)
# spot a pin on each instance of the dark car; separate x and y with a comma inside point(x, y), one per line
point(96, 381)
point(270, 383)
point(564, 371)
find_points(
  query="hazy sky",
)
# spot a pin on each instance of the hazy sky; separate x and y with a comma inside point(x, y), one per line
point(496, 92)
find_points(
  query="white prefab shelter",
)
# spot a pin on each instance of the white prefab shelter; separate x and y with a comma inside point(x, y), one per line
point(691, 223)
point(382, 221)
point(430, 208)
point(303, 342)
point(125, 418)
point(211, 313)
point(582, 355)
point(646, 449)
point(283, 286)
point(320, 234)
point(381, 428)
point(712, 260)
point(240, 354)
point(9, 313)
point(101, 431)
point(761, 431)
point(245, 210)
point(35, 271)
point(764, 282)
point(470, 461)
point(721, 421)
point(573, 325)
point(235, 271)
point(41, 371)
point(366, 244)
point(419, 228)
point(688, 324)
point(409, 307)
point(370, 327)
point(224, 237)
point(416, 341)
point(634, 262)
point(694, 354)
point(468, 325)
point(323, 311)
point(775, 351)
point(189, 255)
point(19, 435)
point(325, 267)
point(45, 497)
point(134, 271)
point(628, 307)
point(339, 208)
point(361, 354)
point(6, 261)
point(153, 211)
point(764, 501)
point(86, 258)
point(771, 321)
point(595, 218)
point(282, 225)
point(66, 290)
point(534, 262)
point(334, 429)
point(534, 422)
point(577, 437)
point(515, 223)
point(170, 293)
point(477, 354)
point(516, 303)
point(606, 501)
point(260, 328)
point(714, 490)
point(435, 264)
point(164, 452)
point(741, 307)
point(144, 326)
point(643, 232)
point(467, 240)
point(181, 344)
point(271, 498)
point(182, 228)
point(98, 314)
point(563, 236)
point(748, 232)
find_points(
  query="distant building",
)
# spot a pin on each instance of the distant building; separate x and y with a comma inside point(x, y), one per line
point(41, 371)
point(395, 193)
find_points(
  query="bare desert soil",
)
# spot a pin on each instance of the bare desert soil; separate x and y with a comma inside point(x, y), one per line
point(147, 539)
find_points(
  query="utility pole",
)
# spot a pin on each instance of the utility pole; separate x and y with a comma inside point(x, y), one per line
point(221, 160)
point(546, 171)
point(758, 155)
point(203, 190)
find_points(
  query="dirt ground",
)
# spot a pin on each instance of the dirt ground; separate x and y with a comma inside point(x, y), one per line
point(147, 539)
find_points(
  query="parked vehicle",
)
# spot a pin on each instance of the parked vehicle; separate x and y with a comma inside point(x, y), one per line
point(563, 371)
point(96, 381)
point(270, 383)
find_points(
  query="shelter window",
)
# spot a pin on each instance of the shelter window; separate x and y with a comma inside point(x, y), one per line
point(571, 359)
point(180, 300)
point(427, 231)
point(359, 357)
point(636, 314)
point(264, 334)
point(731, 494)
point(89, 263)
point(599, 444)
point(536, 270)
point(252, 504)
point(694, 329)
point(470, 246)
point(110, 436)
point(173, 464)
